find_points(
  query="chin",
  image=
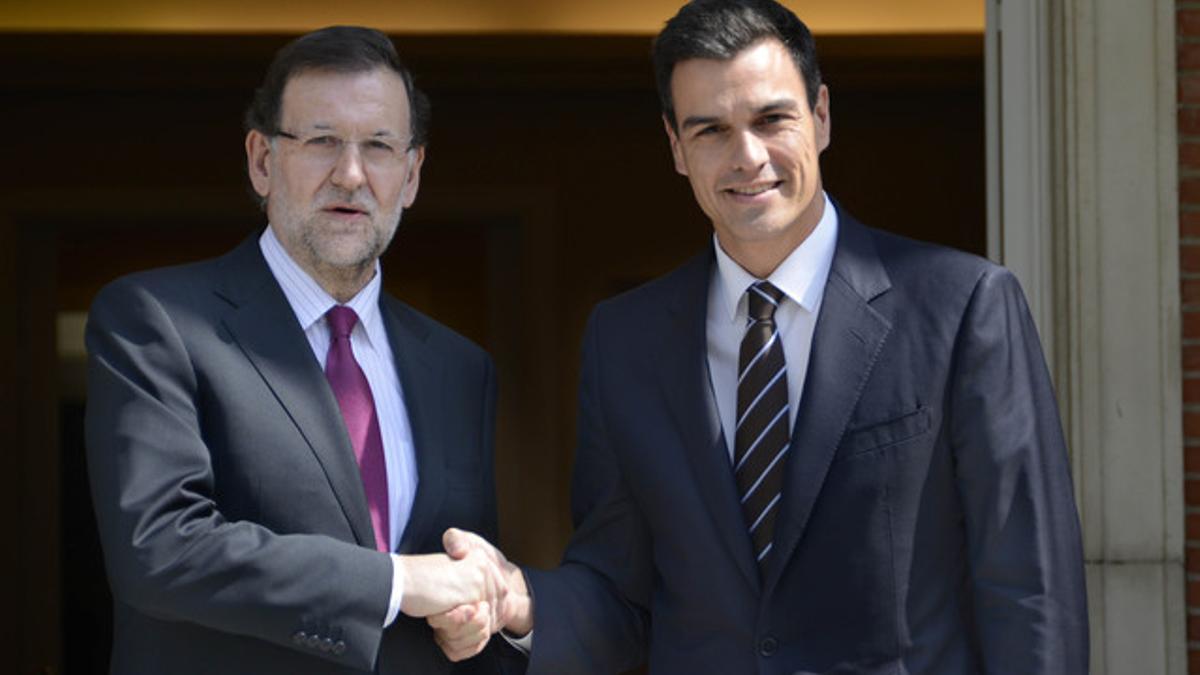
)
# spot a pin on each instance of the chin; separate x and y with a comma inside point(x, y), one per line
point(343, 254)
point(759, 232)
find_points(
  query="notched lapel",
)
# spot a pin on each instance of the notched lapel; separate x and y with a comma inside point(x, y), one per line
point(424, 392)
point(847, 341)
point(263, 325)
point(687, 389)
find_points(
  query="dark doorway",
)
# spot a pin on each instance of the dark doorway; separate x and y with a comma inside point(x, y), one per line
point(548, 187)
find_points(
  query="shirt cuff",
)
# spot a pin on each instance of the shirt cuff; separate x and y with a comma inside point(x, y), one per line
point(397, 591)
point(522, 644)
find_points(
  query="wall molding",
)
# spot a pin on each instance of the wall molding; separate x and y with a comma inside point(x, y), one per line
point(1082, 177)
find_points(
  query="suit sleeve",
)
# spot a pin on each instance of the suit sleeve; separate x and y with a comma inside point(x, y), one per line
point(1023, 539)
point(169, 551)
point(591, 613)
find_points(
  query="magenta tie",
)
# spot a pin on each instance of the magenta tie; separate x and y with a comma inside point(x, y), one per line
point(353, 395)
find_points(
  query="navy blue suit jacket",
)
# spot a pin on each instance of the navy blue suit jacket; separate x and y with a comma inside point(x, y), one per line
point(927, 522)
point(231, 511)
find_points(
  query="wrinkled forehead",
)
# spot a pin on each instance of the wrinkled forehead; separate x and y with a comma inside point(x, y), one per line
point(346, 102)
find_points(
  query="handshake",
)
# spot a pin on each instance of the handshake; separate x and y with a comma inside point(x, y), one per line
point(466, 594)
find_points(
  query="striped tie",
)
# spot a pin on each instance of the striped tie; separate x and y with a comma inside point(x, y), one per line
point(762, 437)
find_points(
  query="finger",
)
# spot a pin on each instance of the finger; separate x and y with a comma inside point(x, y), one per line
point(482, 624)
point(465, 642)
point(469, 635)
point(460, 542)
point(451, 652)
point(457, 543)
point(495, 608)
point(506, 611)
point(465, 652)
point(452, 619)
point(500, 589)
point(451, 629)
point(479, 543)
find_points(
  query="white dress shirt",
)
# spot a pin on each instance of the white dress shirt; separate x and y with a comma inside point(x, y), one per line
point(373, 352)
point(801, 276)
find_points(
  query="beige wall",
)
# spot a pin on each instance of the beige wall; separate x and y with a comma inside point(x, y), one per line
point(469, 16)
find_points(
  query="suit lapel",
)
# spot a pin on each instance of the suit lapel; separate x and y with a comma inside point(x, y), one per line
point(421, 381)
point(682, 360)
point(848, 338)
point(264, 326)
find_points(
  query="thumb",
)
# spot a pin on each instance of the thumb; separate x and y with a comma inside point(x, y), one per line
point(457, 543)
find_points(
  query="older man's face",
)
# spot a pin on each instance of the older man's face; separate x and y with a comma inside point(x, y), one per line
point(341, 171)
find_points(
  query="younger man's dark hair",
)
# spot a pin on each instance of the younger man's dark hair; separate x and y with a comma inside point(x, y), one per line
point(721, 29)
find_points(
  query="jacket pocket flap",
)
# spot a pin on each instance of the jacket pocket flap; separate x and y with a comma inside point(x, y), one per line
point(889, 432)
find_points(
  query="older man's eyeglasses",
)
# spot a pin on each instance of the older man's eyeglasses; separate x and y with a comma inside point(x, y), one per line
point(378, 152)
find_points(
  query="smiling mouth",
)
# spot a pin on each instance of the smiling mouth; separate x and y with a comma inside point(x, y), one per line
point(753, 190)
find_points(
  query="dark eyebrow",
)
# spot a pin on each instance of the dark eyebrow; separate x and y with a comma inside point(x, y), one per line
point(772, 106)
point(777, 105)
point(697, 121)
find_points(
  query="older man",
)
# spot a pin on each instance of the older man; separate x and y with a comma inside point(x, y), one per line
point(275, 445)
point(816, 447)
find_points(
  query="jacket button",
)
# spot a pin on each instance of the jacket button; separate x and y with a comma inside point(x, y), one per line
point(313, 641)
point(768, 646)
point(326, 645)
point(339, 648)
point(300, 637)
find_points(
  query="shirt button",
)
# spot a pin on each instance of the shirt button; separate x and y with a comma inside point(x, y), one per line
point(768, 646)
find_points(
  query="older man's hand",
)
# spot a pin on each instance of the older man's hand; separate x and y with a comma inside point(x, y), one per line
point(465, 630)
point(436, 583)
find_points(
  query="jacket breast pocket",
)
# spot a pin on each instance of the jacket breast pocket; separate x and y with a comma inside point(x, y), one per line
point(879, 435)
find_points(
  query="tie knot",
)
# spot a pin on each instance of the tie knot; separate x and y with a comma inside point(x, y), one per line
point(341, 321)
point(764, 299)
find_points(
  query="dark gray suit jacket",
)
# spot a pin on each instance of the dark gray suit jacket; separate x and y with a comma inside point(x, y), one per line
point(927, 523)
point(233, 520)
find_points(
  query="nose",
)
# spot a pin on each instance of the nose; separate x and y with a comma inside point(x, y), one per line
point(349, 172)
point(749, 152)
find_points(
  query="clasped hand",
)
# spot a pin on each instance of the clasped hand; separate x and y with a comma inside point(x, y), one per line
point(472, 592)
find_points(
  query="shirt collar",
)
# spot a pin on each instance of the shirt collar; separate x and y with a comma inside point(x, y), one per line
point(801, 276)
point(309, 301)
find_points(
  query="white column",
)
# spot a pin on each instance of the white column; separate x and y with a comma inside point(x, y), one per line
point(1082, 184)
